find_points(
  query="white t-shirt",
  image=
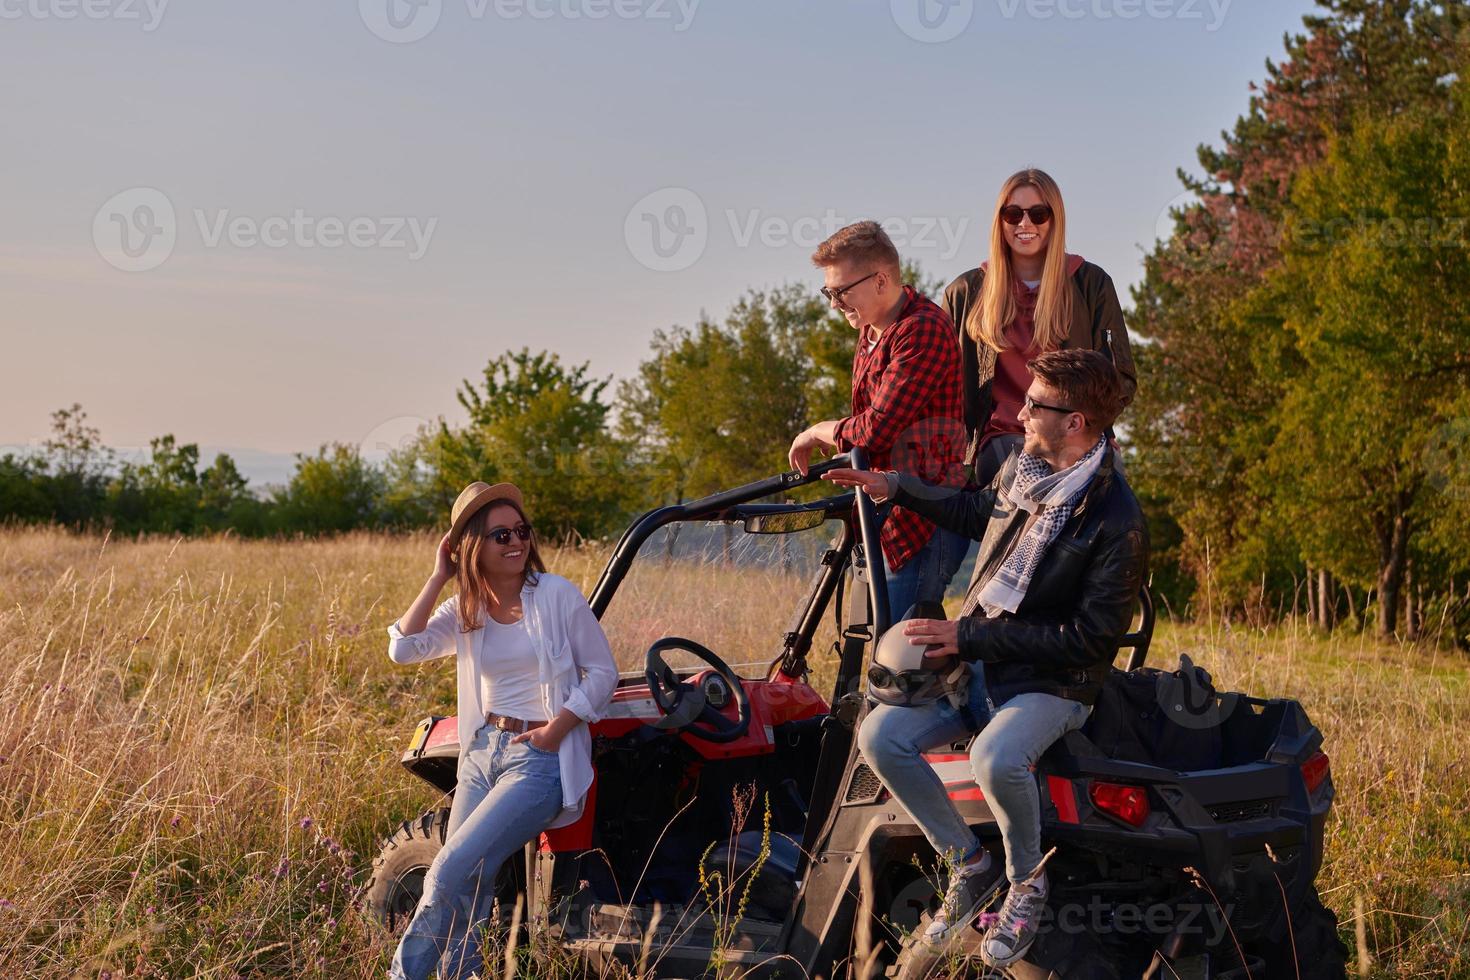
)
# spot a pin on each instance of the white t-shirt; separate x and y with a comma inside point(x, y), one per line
point(510, 677)
point(1031, 283)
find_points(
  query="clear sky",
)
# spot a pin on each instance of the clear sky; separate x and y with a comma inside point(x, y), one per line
point(283, 222)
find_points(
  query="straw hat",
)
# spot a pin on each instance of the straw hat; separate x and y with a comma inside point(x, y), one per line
point(475, 496)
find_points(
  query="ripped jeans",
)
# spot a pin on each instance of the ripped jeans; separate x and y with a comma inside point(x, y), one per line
point(506, 796)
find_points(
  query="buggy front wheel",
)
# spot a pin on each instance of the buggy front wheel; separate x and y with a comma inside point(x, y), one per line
point(397, 883)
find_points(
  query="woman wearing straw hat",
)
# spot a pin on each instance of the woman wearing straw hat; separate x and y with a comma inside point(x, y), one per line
point(533, 668)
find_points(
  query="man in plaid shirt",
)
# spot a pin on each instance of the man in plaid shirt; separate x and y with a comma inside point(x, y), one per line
point(907, 410)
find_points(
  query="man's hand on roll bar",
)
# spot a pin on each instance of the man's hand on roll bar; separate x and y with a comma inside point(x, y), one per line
point(875, 485)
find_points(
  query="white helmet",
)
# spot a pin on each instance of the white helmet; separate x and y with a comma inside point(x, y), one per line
point(899, 675)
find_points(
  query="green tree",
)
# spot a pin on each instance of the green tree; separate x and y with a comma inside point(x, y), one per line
point(534, 422)
point(74, 468)
point(718, 405)
point(225, 500)
point(1212, 377)
point(334, 490)
point(1376, 290)
point(22, 495)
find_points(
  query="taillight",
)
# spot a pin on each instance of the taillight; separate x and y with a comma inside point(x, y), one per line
point(1315, 770)
point(1128, 803)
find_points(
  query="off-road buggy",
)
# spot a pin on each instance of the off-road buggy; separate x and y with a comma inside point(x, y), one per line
point(1205, 870)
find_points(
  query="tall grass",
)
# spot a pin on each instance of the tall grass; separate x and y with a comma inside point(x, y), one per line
point(199, 746)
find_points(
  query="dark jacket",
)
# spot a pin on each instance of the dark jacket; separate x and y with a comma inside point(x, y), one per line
point(1097, 324)
point(1079, 603)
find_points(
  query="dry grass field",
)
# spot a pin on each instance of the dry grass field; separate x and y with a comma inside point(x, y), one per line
point(199, 744)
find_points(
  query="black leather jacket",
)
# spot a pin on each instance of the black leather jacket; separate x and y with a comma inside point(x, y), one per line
point(1080, 601)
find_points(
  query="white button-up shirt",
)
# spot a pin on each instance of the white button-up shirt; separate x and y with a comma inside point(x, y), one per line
point(576, 667)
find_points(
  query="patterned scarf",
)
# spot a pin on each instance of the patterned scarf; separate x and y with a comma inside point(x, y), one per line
point(1050, 499)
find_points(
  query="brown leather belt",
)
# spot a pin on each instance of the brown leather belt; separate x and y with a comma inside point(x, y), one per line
point(515, 726)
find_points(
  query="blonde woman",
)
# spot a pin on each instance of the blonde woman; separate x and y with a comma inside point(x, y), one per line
point(533, 668)
point(1030, 297)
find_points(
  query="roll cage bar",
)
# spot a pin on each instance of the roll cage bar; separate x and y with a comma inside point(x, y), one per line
point(739, 504)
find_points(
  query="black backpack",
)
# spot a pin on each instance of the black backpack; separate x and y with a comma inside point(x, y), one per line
point(1169, 718)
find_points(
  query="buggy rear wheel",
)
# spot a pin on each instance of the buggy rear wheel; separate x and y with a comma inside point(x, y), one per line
point(1319, 954)
point(397, 883)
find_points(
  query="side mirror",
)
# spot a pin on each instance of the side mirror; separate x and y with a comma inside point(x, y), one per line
point(788, 523)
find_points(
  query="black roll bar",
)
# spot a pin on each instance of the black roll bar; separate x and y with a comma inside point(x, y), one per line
point(726, 505)
point(1140, 639)
point(872, 552)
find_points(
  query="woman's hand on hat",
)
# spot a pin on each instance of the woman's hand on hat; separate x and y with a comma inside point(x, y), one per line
point(942, 634)
point(444, 560)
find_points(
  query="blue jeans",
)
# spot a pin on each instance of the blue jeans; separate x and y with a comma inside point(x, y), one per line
point(926, 575)
point(893, 740)
point(506, 795)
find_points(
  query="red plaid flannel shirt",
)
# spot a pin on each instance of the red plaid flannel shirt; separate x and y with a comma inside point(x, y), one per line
point(907, 411)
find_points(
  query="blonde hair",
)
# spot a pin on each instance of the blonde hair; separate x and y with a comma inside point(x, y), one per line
point(474, 590)
point(996, 310)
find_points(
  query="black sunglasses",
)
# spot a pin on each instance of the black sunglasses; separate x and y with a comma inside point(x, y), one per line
point(835, 295)
point(1032, 405)
point(905, 681)
point(1039, 215)
point(501, 535)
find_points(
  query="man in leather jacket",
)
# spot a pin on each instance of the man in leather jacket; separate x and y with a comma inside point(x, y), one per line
point(1063, 554)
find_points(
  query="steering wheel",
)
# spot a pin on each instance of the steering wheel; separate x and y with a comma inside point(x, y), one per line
point(684, 706)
